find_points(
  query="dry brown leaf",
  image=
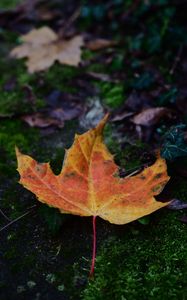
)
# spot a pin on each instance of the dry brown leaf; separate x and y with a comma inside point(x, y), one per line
point(150, 116)
point(42, 121)
point(41, 36)
point(42, 47)
point(99, 44)
point(121, 116)
point(55, 117)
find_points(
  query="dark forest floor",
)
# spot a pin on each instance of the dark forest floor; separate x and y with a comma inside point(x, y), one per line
point(45, 255)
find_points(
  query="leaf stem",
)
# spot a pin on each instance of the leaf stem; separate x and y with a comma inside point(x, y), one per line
point(94, 247)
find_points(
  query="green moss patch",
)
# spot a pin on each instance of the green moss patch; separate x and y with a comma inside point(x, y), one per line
point(147, 262)
point(8, 4)
point(14, 134)
point(111, 94)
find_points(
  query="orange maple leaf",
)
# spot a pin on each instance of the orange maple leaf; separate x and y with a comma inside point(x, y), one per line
point(89, 183)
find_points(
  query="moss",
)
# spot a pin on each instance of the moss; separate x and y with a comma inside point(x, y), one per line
point(95, 57)
point(147, 262)
point(11, 254)
point(111, 142)
point(97, 68)
point(130, 156)
point(179, 189)
point(117, 62)
point(52, 218)
point(8, 4)
point(59, 77)
point(18, 89)
point(14, 103)
point(112, 94)
point(88, 55)
point(9, 39)
point(14, 133)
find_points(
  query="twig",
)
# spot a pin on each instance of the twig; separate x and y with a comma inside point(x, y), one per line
point(131, 9)
point(176, 61)
point(134, 172)
point(15, 220)
point(5, 216)
point(30, 96)
point(71, 20)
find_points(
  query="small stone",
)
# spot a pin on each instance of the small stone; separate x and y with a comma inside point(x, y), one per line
point(37, 296)
point(51, 278)
point(9, 237)
point(31, 284)
point(20, 289)
point(61, 288)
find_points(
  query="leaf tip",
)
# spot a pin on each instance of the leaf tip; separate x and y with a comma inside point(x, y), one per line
point(17, 151)
point(102, 123)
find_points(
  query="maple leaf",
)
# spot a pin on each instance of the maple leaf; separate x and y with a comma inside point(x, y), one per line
point(151, 116)
point(43, 47)
point(89, 183)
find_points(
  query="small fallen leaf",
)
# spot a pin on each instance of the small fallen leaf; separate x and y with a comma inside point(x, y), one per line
point(89, 183)
point(42, 120)
point(98, 44)
point(43, 47)
point(150, 116)
point(177, 204)
point(121, 116)
point(55, 117)
point(38, 37)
